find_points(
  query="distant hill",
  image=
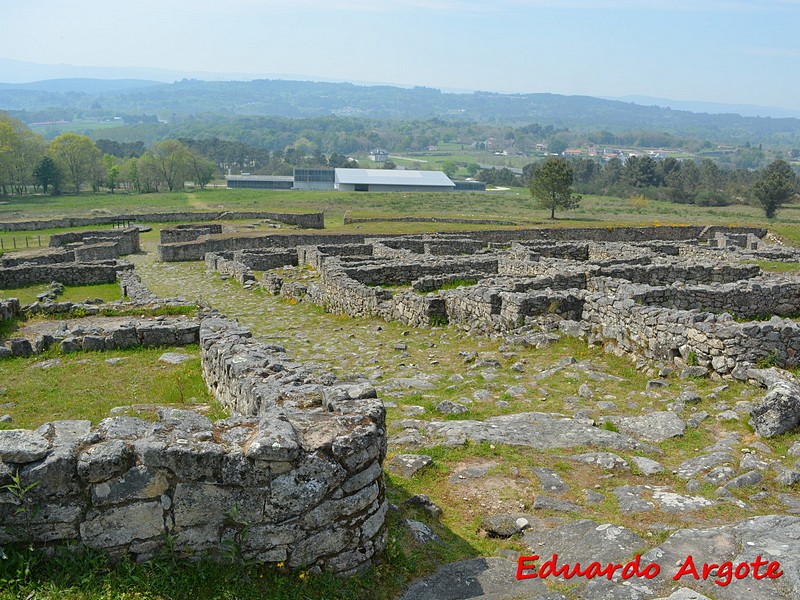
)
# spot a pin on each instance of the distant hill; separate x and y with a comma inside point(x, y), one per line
point(82, 84)
point(746, 110)
point(296, 99)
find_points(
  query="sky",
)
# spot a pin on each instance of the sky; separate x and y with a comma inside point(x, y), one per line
point(745, 51)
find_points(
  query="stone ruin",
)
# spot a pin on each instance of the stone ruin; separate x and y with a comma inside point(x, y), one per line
point(298, 467)
point(694, 305)
point(75, 258)
point(682, 303)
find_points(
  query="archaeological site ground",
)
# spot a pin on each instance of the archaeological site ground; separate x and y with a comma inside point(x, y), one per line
point(233, 394)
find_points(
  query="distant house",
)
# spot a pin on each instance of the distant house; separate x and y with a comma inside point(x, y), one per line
point(572, 152)
point(378, 155)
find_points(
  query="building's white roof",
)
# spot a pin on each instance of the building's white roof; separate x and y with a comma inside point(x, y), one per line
point(392, 177)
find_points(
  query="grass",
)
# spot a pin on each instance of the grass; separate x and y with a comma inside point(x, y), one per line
point(107, 292)
point(85, 386)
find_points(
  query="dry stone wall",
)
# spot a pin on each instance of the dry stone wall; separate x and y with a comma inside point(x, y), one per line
point(127, 239)
point(309, 220)
point(295, 476)
point(66, 273)
point(646, 298)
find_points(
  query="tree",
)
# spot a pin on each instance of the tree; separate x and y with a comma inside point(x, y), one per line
point(77, 156)
point(111, 164)
point(171, 158)
point(776, 185)
point(641, 171)
point(201, 169)
point(20, 151)
point(450, 168)
point(551, 186)
point(389, 165)
point(47, 174)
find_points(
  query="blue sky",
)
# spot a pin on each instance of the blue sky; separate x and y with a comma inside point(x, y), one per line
point(745, 51)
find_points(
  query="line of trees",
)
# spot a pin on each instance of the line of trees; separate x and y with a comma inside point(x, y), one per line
point(73, 162)
point(551, 183)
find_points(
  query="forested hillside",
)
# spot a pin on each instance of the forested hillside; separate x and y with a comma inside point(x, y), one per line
point(176, 102)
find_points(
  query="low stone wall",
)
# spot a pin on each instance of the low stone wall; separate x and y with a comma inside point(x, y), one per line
point(126, 240)
point(115, 333)
point(269, 258)
point(295, 476)
point(746, 300)
point(308, 221)
point(188, 233)
point(349, 220)
point(340, 294)
point(66, 273)
point(131, 285)
point(517, 308)
point(319, 448)
point(197, 249)
point(417, 310)
point(225, 264)
point(716, 342)
point(534, 250)
point(9, 309)
point(48, 257)
point(669, 273)
point(404, 272)
point(96, 252)
point(315, 256)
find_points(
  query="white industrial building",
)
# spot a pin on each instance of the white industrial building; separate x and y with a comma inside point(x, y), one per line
point(356, 180)
point(385, 180)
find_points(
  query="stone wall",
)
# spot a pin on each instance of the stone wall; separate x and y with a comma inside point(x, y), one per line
point(9, 309)
point(127, 240)
point(716, 342)
point(45, 257)
point(85, 253)
point(66, 273)
point(188, 233)
point(309, 220)
point(197, 249)
point(295, 476)
point(225, 264)
point(113, 334)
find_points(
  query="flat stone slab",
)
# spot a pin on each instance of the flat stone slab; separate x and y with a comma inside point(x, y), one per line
point(677, 503)
point(693, 467)
point(652, 427)
point(22, 446)
point(174, 358)
point(646, 465)
point(408, 465)
point(473, 472)
point(543, 502)
point(773, 537)
point(550, 480)
point(491, 578)
point(605, 460)
point(535, 430)
point(585, 541)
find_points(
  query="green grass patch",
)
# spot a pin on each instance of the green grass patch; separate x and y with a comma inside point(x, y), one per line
point(86, 574)
point(776, 266)
point(85, 386)
point(107, 292)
